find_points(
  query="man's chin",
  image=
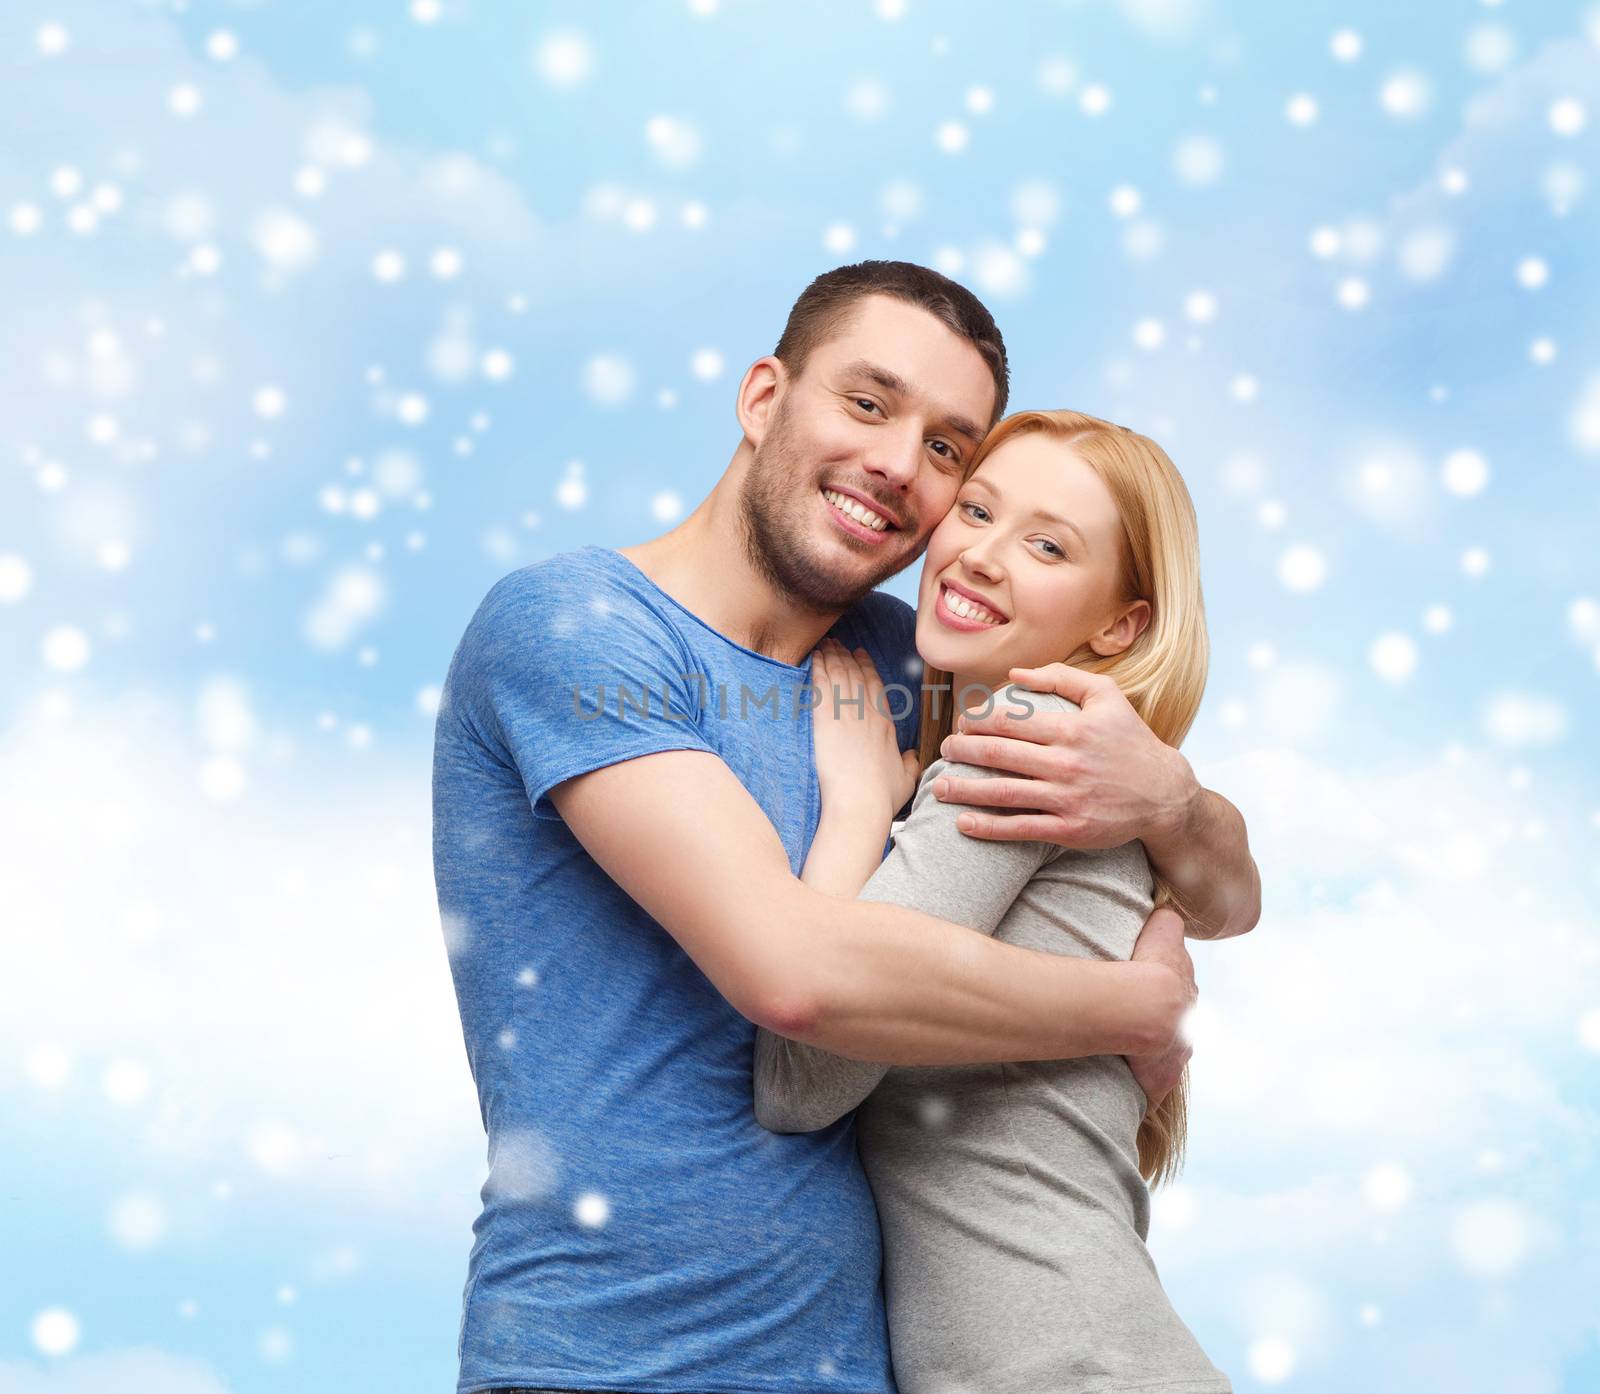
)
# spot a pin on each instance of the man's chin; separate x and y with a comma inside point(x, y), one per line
point(838, 574)
point(855, 557)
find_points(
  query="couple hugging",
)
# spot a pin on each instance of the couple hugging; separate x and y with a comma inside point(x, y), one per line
point(829, 1045)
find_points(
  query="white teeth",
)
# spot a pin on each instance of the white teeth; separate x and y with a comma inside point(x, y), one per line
point(856, 510)
point(960, 605)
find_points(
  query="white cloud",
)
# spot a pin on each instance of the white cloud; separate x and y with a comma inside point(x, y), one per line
point(1525, 718)
point(1504, 133)
point(564, 59)
point(1376, 1077)
point(1417, 943)
point(1171, 21)
point(1583, 421)
point(281, 994)
point(137, 1370)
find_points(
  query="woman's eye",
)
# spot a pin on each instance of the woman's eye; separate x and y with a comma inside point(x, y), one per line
point(1054, 550)
point(980, 508)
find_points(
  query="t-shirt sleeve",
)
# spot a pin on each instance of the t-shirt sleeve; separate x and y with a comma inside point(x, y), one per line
point(562, 671)
point(933, 867)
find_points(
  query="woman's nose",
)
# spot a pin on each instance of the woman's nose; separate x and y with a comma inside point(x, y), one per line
point(980, 561)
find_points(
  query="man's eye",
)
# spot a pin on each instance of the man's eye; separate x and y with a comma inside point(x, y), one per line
point(949, 454)
point(866, 403)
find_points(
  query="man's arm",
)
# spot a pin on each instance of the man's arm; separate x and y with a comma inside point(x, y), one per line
point(1204, 855)
point(682, 836)
point(934, 869)
point(1099, 777)
point(931, 868)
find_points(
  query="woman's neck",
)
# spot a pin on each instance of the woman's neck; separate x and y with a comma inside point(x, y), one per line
point(983, 688)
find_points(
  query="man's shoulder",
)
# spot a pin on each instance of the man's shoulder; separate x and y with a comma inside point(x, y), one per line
point(575, 610)
point(568, 594)
point(888, 620)
point(579, 572)
point(885, 608)
point(883, 624)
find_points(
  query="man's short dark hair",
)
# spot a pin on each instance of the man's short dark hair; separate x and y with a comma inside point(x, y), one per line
point(826, 303)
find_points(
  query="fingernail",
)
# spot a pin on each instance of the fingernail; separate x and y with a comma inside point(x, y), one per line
point(939, 787)
point(966, 822)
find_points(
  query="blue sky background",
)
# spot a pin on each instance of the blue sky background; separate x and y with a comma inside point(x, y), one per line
point(319, 319)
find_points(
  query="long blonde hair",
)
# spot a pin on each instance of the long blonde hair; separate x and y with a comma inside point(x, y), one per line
point(1162, 673)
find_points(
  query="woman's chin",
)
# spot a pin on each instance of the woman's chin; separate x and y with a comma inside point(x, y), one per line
point(937, 651)
point(953, 659)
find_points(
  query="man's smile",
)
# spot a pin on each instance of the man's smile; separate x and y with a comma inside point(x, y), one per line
point(857, 517)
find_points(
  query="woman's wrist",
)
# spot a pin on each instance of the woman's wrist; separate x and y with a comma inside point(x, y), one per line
point(853, 813)
point(846, 849)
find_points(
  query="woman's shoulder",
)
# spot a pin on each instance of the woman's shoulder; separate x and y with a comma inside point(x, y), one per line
point(1125, 868)
point(1020, 702)
point(1016, 703)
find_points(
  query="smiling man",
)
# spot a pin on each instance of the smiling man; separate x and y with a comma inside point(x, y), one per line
point(624, 794)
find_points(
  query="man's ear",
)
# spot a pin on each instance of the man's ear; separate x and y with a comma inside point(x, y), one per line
point(760, 390)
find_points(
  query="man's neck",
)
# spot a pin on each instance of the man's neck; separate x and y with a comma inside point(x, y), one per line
point(702, 565)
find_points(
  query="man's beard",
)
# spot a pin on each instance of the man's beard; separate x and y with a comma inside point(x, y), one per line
point(775, 521)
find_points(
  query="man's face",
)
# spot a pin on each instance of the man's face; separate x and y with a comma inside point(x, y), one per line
point(884, 417)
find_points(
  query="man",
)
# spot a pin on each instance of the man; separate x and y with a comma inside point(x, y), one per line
point(623, 794)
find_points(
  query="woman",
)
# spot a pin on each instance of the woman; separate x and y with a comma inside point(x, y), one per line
point(1012, 1197)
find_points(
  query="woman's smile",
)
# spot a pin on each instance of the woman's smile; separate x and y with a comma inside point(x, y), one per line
point(960, 609)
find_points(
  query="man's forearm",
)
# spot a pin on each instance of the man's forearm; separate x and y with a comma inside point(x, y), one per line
point(1206, 860)
point(893, 985)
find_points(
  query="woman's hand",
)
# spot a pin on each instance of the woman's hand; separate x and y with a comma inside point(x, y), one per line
point(860, 767)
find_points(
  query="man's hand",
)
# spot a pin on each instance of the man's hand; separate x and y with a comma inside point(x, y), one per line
point(1161, 941)
point(1099, 777)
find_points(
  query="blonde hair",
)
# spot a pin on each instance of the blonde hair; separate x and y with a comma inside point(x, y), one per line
point(1162, 673)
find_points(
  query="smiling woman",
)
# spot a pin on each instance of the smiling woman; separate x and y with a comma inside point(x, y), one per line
point(1026, 1181)
point(1079, 541)
point(1074, 540)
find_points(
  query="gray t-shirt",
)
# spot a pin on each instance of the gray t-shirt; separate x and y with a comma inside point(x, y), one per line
point(1009, 1196)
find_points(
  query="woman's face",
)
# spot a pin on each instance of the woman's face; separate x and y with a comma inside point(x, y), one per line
point(1033, 537)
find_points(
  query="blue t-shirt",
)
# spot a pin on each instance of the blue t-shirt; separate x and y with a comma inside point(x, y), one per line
point(640, 1230)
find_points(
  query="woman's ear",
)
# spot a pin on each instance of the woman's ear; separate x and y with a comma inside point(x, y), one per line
point(760, 390)
point(1123, 630)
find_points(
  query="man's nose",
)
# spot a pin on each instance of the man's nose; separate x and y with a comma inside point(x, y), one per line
point(897, 460)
